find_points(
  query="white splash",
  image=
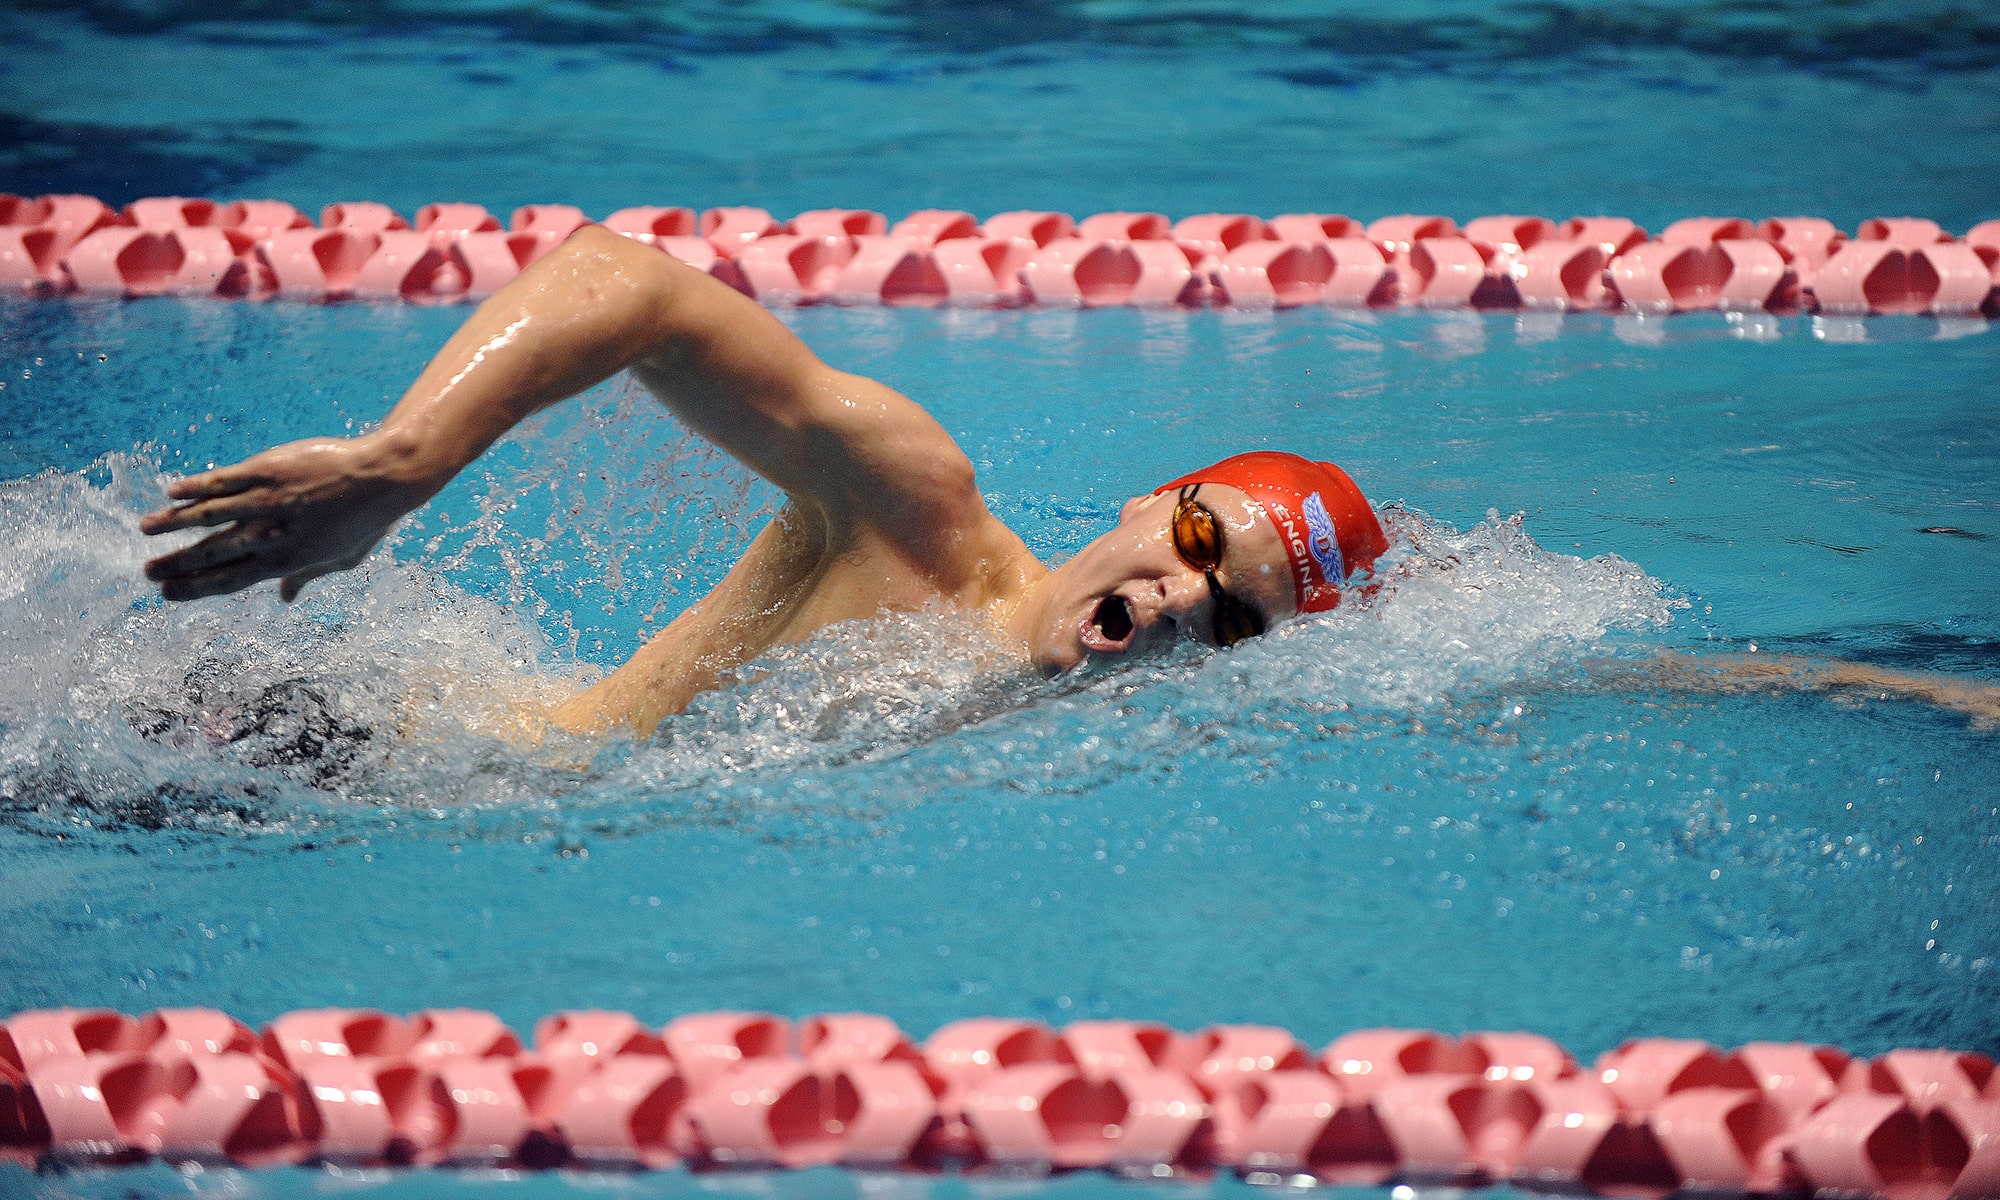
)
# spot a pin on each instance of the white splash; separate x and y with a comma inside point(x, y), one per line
point(396, 686)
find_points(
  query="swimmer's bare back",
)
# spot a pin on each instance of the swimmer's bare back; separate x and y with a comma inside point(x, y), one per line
point(882, 511)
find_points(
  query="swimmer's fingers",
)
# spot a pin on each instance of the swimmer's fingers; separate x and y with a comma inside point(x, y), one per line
point(258, 486)
point(232, 576)
point(218, 510)
point(222, 481)
point(245, 541)
point(202, 499)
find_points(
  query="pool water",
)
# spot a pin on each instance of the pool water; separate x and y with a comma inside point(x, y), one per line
point(1468, 802)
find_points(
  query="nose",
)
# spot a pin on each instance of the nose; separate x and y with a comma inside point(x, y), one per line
point(1185, 599)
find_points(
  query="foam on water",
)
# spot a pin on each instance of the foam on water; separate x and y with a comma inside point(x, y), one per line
point(401, 686)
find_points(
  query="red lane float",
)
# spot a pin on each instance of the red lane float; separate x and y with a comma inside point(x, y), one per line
point(647, 223)
point(708, 1091)
point(930, 226)
point(890, 270)
point(259, 249)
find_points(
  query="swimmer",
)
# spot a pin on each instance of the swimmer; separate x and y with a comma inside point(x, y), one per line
point(882, 512)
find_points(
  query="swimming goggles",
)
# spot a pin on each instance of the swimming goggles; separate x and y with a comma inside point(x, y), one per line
point(1198, 540)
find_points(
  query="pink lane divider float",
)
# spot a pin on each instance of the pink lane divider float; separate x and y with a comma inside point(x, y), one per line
point(783, 1112)
point(1613, 235)
point(37, 235)
point(255, 220)
point(173, 212)
point(1453, 1129)
point(1314, 227)
point(1560, 273)
point(332, 264)
point(701, 254)
point(708, 1046)
point(1040, 228)
point(1510, 235)
point(361, 216)
point(838, 222)
point(373, 1111)
point(1880, 1146)
point(626, 1112)
point(1349, 272)
point(793, 269)
point(1053, 1116)
point(648, 223)
point(444, 223)
point(1806, 241)
point(1263, 274)
point(491, 1113)
point(835, 1039)
point(1724, 1140)
point(262, 219)
point(1881, 276)
point(117, 1108)
point(890, 270)
point(729, 230)
point(927, 227)
point(1079, 272)
point(984, 272)
point(1458, 272)
point(1892, 265)
point(1368, 1060)
point(489, 259)
point(1643, 1072)
point(1224, 1058)
point(591, 1037)
point(1984, 239)
point(1700, 231)
point(27, 1038)
point(1907, 233)
point(601, 1089)
point(460, 1033)
point(554, 220)
point(124, 260)
point(1928, 1078)
point(1101, 1048)
point(1127, 227)
point(31, 258)
point(1733, 274)
point(1214, 235)
point(1798, 1078)
point(1531, 262)
point(1274, 1122)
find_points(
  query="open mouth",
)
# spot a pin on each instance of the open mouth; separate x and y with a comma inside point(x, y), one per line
point(1109, 627)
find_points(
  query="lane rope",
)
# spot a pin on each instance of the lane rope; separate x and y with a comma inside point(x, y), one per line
point(265, 249)
point(994, 1095)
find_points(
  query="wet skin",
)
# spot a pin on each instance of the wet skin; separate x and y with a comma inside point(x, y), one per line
point(883, 513)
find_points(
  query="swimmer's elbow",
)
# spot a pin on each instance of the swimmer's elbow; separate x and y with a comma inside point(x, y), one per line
point(605, 268)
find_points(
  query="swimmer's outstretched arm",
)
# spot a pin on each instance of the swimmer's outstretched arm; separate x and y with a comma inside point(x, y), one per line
point(597, 305)
point(1784, 672)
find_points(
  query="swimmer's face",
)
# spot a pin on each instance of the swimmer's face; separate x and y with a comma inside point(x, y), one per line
point(1130, 591)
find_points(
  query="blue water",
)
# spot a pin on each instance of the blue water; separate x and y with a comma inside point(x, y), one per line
point(1465, 806)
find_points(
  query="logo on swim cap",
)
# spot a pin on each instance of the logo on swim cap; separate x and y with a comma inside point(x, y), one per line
point(1323, 521)
point(1325, 546)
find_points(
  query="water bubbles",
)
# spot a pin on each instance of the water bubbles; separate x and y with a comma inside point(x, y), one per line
point(420, 682)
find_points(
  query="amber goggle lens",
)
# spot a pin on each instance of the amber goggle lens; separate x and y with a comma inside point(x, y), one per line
point(1198, 540)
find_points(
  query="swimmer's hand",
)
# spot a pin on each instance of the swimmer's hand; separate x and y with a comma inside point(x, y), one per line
point(293, 513)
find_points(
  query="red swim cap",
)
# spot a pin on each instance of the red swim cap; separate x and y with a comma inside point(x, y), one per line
point(1324, 521)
